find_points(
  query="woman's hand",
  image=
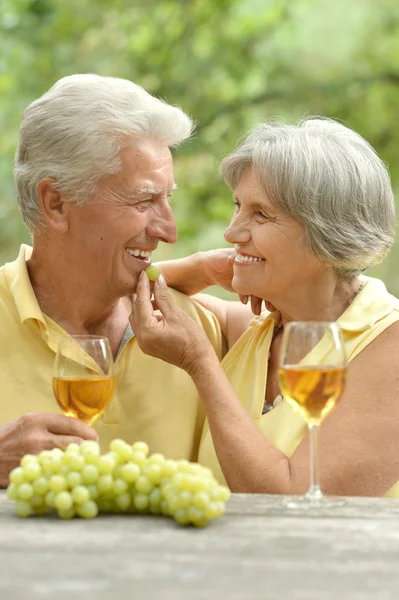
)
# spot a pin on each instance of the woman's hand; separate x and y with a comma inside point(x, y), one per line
point(218, 266)
point(172, 336)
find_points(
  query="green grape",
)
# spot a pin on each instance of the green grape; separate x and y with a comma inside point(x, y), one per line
point(195, 515)
point(201, 500)
point(222, 493)
point(141, 501)
point(74, 461)
point(72, 448)
point(181, 516)
point(23, 508)
point(155, 499)
point(12, 491)
point(37, 501)
point(67, 514)
point(49, 499)
point(90, 447)
point(63, 501)
point(153, 472)
point(173, 503)
point(165, 507)
point(52, 465)
point(89, 474)
point(143, 485)
point(130, 472)
point(106, 463)
point(117, 474)
point(17, 475)
point(105, 483)
point(123, 449)
point(57, 453)
point(105, 505)
point(157, 459)
point(141, 447)
point(25, 491)
point(73, 479)
point(152, 272)
point(40, 510)
point(90, 454)
point(40, 486)
point(119, 487)
point(80, 495)
point(44, 456)
point(138, 458)
point(214, 510)
point(123, 501)
point(28, 458)
point(93, 491)
point(169, 468)
point(88, 510)
point(185, 499)
point(57, 483)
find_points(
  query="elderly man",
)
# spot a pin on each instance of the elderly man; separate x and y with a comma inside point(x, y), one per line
point(94, 176)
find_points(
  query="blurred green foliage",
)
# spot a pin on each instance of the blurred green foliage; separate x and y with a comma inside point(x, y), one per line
point(229, 63)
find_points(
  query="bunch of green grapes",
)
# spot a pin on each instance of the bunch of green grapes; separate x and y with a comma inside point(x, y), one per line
point(81, 482)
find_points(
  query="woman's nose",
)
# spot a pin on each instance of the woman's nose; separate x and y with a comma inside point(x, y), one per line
point(237, 232)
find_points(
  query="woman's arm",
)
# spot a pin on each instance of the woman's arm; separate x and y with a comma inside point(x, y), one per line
point(192, 274)
point(358, 442)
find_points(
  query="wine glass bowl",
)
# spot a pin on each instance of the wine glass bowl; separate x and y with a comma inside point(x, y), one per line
point(312, 375)
point(83, 380)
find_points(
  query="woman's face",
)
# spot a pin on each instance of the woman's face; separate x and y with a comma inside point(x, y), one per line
point(272, 255)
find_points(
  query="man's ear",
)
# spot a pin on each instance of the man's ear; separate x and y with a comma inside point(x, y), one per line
point(53, 206)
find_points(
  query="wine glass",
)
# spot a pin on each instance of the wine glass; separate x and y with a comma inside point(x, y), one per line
point(312, 374)
point(83, 381)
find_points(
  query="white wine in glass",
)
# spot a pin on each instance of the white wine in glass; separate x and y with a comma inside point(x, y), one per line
point(83, 381)
point(311, 388)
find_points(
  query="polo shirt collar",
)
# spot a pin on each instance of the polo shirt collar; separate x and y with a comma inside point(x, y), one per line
point(21, 288)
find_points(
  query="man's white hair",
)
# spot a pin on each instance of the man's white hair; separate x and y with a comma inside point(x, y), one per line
point(74, 132)
point(329, 178)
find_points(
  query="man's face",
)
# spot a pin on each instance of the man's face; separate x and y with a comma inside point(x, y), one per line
point(113, 235)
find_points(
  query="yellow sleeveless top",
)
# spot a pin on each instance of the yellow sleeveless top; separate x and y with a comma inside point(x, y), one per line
point(370, 313)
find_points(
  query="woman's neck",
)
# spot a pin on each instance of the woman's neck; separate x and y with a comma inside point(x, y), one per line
point(325, 301)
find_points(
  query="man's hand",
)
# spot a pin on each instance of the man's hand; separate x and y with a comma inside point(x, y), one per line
point(34, 432)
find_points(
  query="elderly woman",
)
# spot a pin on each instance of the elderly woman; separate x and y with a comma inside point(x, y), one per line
point(313, 209)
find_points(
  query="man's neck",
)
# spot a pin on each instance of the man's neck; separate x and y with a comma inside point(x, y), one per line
point(76, 303)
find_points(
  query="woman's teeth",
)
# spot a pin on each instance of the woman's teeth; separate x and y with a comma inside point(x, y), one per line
point(246, 258)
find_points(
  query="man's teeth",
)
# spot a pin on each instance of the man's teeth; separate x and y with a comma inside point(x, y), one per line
point(142, 253)
point(246, 258)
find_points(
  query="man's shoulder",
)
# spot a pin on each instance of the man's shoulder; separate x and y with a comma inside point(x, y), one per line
point(204, 317)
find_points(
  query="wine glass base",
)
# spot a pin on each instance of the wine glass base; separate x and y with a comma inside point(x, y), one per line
point(310, 501)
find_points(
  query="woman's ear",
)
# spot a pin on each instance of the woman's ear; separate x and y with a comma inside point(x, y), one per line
point(53, 206)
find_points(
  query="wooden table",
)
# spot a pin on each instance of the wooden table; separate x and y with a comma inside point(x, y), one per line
point(258, 550)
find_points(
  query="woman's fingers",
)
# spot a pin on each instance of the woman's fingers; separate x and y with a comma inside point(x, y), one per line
point(256, 305)
point(142, 309)
point(163, 297)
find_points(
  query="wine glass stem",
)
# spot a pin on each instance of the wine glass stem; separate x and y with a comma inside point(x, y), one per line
point(314, 493)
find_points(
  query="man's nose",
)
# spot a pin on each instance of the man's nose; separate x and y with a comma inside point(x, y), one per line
point(163, 226)
point(237, 232)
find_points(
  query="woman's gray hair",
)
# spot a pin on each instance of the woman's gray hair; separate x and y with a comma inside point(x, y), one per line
point(330, 179)
point(74, 133)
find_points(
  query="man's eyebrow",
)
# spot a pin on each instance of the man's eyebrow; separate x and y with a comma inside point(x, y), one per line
point(153, 191)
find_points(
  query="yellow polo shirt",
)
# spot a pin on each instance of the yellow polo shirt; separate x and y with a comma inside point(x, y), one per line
point(153, 401)
point(370, 313)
